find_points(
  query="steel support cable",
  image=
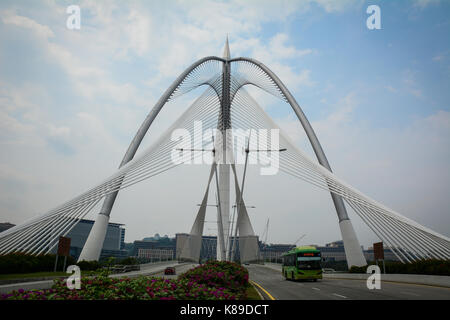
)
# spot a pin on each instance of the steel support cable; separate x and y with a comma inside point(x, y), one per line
point(337, 201)
point(40, 234)
point(394, 219)
point(71, 226)
point(69, 222)
point(257, 75)
point(135, 143)
point(351, 193)
point(373, 223)
point(383, 235)
point(170, 144)
point(214, 82)
point(424, 249)
point(130, 179)
point(195, 117)
point(379, 232)
point(13, 238)
point(321, 178)
point(20, 235)
point(137, 175)
point(197, 77)
point(391, 217)
point(43, 237)
point(417, 241)
point(442, 242)
point(253, 74)
point(425, 238)
point(167, 91)
point(392, 224)
point(288, 153)
point(380, 219)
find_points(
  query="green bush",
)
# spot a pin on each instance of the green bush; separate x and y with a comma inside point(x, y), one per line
point(429, 267)
point(88, 265)
point(129, 261)
point(26, 263)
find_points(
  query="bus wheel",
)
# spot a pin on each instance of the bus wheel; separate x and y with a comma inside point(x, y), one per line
point(292, 275)
point(315, 280)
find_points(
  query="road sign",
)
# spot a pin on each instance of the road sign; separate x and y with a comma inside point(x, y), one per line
point(63, 250)
point(63, 246)
point(378, 251)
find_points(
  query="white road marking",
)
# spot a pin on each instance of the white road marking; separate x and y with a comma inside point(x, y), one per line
point(338, 295)
point(315, 288)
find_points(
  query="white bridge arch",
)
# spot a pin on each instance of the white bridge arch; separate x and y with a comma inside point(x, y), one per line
point(225, 98)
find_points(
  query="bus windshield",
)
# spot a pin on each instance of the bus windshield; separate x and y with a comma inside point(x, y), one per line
point(308, 263)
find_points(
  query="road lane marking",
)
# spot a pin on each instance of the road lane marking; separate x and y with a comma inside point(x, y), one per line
point(338, 295)
point(316, 288)
point(264, 290)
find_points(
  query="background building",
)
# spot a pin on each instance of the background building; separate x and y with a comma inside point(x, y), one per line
point(333, 251)
point(388, 255)
point(113, 246)
point(155, 248)
point(272, 252)
point(5, 226)
point(152, 255)
point(208, 250)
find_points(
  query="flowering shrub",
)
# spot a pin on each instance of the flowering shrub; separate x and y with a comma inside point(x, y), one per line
point(219, 274)
point(212, 281)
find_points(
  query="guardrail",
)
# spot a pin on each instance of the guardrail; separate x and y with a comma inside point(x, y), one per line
point(125, 268)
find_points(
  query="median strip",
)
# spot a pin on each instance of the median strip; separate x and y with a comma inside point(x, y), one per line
point(264, 290)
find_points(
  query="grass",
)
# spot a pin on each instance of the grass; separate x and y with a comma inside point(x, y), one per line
point(13, 276)
point(252, 294)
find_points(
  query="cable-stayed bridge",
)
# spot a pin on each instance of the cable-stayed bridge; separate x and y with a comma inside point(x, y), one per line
point(224, 105)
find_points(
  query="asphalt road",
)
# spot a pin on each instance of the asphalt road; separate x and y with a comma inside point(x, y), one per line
point(336, 289)
point(179, 269)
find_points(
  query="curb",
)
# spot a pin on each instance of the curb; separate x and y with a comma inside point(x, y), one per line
point(257, 290)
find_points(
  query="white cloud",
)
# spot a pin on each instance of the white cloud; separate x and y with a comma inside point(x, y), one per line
point(424, 3)
point(396, 166)
point(10, 18)
point(338, 6)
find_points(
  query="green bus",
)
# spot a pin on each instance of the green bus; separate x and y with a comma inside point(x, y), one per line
point(302, 263)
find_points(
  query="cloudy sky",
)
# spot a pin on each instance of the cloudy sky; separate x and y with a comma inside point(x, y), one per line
point(72, 100)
